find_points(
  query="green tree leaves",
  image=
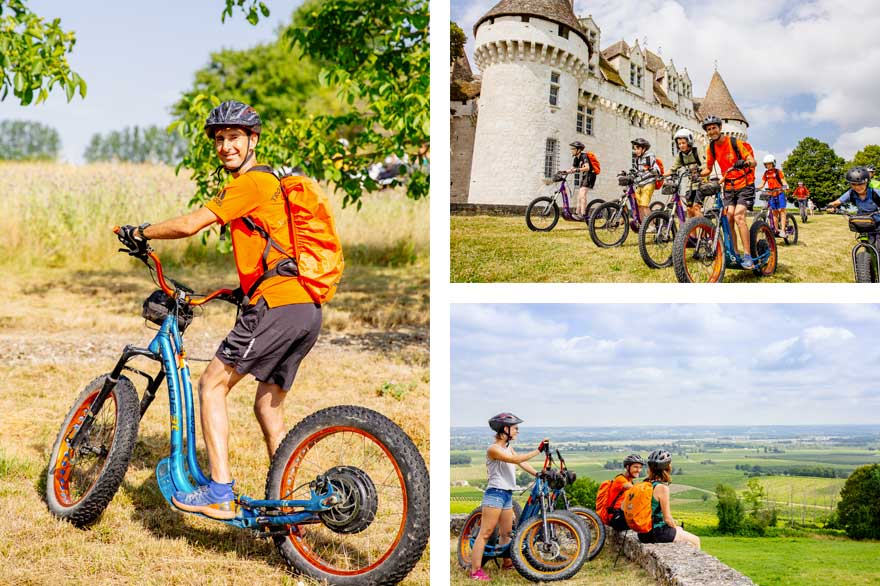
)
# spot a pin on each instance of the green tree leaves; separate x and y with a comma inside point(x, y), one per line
point(457, 40)
point(730, 510)
point(870, 155)
point(21, 140)
point(859, 506)
point(818, 166)
point(375, 59)
point(33, 56)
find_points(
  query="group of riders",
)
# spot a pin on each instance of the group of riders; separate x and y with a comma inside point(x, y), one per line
point(497, 503)
point(736, 160)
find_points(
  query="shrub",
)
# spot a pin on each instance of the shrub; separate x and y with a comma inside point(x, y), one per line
point(583, 492)
point(859, 507)
point(459, 459)
point(730, 510)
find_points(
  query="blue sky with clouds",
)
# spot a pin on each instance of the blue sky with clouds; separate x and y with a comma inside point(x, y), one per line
point(137, 58)
point(795, 68)
point(641, 364)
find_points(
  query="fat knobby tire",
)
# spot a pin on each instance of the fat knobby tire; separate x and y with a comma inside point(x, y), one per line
point(864, 267)
point(525, 563)
point(554, 212)
point(664, 218)
point(412, 543)
point(88, 509)
point(477, 516)
point(591, 521)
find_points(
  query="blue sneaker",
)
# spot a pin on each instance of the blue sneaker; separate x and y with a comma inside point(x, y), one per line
point(747, 262)
point(216, 500)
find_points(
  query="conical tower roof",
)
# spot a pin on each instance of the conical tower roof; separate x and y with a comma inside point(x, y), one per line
point(558, 11)
point(719, 102)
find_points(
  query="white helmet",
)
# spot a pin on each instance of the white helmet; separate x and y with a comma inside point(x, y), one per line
point(685, 134)
point(770, 159)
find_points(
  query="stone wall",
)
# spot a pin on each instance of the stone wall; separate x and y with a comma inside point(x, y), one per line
point(462, 128)
point(671, 564)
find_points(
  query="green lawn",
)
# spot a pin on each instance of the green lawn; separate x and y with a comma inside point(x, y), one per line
point(502, 249)
point(780, 561)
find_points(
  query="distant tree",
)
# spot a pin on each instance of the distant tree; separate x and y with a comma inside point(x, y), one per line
point(523, 478)
point(819, 167)
point(22, 140)
point(583, 492)
point(859, 508)
point(704, 497)
point(730, 511)
point(459, 459)
point(457, 39)
point(137, 145)
point(33, 55)
point(870, 155)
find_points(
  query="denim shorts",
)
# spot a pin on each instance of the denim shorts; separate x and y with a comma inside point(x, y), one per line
point(498, 498)
point(777, 202)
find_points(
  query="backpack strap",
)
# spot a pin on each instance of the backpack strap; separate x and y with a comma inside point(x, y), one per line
point(875, 197)
point(611, 500)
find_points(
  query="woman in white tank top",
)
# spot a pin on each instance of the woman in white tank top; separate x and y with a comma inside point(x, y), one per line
point(497, 505)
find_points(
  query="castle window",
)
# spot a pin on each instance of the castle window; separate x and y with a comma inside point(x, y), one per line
point(584, 123)
point(674, 148)
point(551, 157)
point(563, 31)
point(525, 18)
point(554, 88)
point(636, 74)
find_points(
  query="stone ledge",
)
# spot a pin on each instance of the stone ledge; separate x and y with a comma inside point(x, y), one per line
point(485, 209)
point(670, 564)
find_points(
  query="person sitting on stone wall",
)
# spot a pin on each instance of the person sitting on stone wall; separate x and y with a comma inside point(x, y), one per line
point(664, 529)
point(645, 163)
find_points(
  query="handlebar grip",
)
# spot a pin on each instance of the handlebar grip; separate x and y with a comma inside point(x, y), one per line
point(116, 229)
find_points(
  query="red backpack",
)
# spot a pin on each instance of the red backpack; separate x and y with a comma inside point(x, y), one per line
point(606, 502)
point(659, 183)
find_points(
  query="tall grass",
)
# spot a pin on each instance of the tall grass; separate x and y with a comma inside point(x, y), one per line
point(61, 216)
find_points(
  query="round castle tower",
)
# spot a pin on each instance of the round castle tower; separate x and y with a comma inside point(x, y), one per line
point(533, 57)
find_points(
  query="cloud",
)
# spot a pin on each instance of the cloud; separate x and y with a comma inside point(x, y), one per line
point(765, 114)
point(849, 143)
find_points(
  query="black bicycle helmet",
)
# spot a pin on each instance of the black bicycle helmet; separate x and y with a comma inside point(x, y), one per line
point(641, 142)
point(502, 420)
point(578, 145)
point(633, 459)
point(233, 113)
point(659, 459)
point(857, 176)
point(711, 119)
point(870, 168)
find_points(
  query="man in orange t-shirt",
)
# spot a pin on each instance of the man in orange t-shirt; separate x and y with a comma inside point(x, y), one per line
point(739, 186)
point(632, 466)
point(276, 328)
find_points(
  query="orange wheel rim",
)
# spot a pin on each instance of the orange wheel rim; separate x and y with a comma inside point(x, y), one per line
point(71, 467)
point(347, 554)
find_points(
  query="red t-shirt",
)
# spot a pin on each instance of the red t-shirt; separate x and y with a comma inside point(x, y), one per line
point(801, 192)
point(774, 178)
point(739, 178)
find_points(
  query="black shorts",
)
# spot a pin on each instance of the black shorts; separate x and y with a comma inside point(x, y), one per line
point(694, 197)
point(740, 197)
point(588, 180)
point(270, 343)
point(664, 534)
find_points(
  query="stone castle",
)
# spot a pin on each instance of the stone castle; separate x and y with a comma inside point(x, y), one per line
point(544, 83)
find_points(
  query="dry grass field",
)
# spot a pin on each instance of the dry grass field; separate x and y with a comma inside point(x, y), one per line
point(72, 302)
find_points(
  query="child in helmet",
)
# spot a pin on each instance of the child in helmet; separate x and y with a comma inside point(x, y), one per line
point(497, 504)
point(775, 182)
point(802, 197)
point(688, 157)
point(644, 161)
point(860, 194)
point(582, 162)
point(664, 528)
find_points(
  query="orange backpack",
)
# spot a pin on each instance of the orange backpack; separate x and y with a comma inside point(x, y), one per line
point(637, 507)
point(605, 501)
point(317, 250)
point(595, 168)
point(659, 183)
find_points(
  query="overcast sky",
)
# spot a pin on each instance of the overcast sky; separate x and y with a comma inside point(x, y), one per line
point(137, 58)
point(795, 67)
point(703, 364)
